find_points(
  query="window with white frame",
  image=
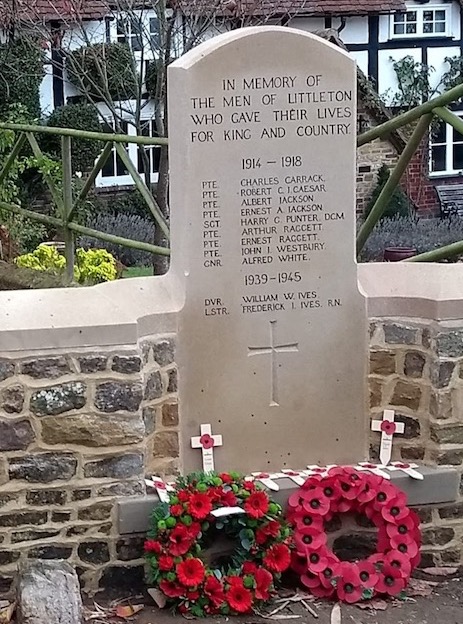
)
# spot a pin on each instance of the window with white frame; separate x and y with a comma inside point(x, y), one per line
point(114, 173)
point(138, 31)
point(446, 150)
point(429, 21)
point(114, 167)
point(153, 152)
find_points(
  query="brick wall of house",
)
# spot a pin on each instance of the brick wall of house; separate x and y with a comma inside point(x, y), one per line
point(370, 157)
point(420, 187)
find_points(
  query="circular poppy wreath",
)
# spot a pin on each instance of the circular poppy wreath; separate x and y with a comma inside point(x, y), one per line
point(342, 490)
point(176, 548)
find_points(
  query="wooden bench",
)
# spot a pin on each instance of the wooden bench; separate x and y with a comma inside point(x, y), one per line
point(451, 199)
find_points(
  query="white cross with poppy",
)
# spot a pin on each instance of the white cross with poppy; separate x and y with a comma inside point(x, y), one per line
point(162, 489)
point(267, 479)
point(377, 469)
point(388, 428)
point(409, 469)
point(206, 442)
point(299, 477)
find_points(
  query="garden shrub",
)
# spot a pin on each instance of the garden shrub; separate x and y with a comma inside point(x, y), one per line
point(91, 266)
point(126, 225)
point(80, 116)
point(398, 204)
point(21, 74)
point(103, 70)
point(421, 234)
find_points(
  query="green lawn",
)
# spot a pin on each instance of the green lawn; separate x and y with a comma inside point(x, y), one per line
point(138, 272)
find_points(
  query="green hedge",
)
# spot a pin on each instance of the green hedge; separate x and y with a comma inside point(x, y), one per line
point(103, 69)
point(81, 117)
point(21, 73)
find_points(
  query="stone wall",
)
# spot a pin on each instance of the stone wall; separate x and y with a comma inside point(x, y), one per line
point(78, 430)
point(416, 368)
point(81, 425)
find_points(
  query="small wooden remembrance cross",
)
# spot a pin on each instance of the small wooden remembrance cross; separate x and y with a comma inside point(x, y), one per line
point(206, 442)
point(388, 428)
point(273, 350)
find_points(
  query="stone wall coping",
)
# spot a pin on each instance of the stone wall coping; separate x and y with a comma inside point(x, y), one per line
point(428, 290)
point(121, 312)
point(114, 313)
point(440, 485)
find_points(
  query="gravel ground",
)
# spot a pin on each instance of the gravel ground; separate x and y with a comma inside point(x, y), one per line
point(442, 605)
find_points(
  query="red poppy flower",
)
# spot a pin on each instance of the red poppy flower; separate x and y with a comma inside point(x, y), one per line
point(309, 538)
point(272, 528)
point(199, 505)
point(298, 562)
point(384, 493)
point(277, 558)
point(256, 505)
point(239, 598)
point(349, 586)
point(261, 537)
point(191, 572)
point(295, 501)
point(194, 530)
point(165, 563)
point(310, 580)
point(315, 502)
point(400, 561)
point(331, 489)
point(228, 499)
point(249, 567)
point(215, 493)
point(304, 520)
point(368, 490)
point(321, 559)
point(329, 572)
point(180, 540)
point(390, 581)
point(322, 591)
point(388, 427)
point(153, 546)
point(367, 573)
point(402, 527)
point(395, 509)
point(171, 589)
point(176, 510)
point(249, 485)
point(405, 544)
point(206, 441)
point(183, 496)
point(264, 581)
point(214, 591)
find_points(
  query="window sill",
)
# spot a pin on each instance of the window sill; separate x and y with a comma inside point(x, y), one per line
point(445, 174)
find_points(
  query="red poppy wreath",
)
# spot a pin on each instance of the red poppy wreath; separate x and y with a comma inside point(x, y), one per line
point(343, 490)
point(188, 528)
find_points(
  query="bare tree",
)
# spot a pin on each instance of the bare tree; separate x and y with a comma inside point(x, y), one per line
point(119, 62)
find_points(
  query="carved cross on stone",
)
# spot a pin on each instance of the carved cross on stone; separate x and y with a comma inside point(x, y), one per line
point(388, 428)
point(273, 350)
point(206, 442)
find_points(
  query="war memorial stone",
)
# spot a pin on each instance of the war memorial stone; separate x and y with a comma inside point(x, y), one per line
point(272, 328)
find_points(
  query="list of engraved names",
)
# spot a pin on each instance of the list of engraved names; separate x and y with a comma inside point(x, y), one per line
point(279, 191)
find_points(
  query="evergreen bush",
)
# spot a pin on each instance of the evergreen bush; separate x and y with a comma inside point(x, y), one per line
point(398, 204)
point(80, 117)
point(21, 74)
point(103, 70)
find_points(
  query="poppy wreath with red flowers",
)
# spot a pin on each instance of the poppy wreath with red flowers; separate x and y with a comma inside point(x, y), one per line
point(176, 548)
point(343, 489)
